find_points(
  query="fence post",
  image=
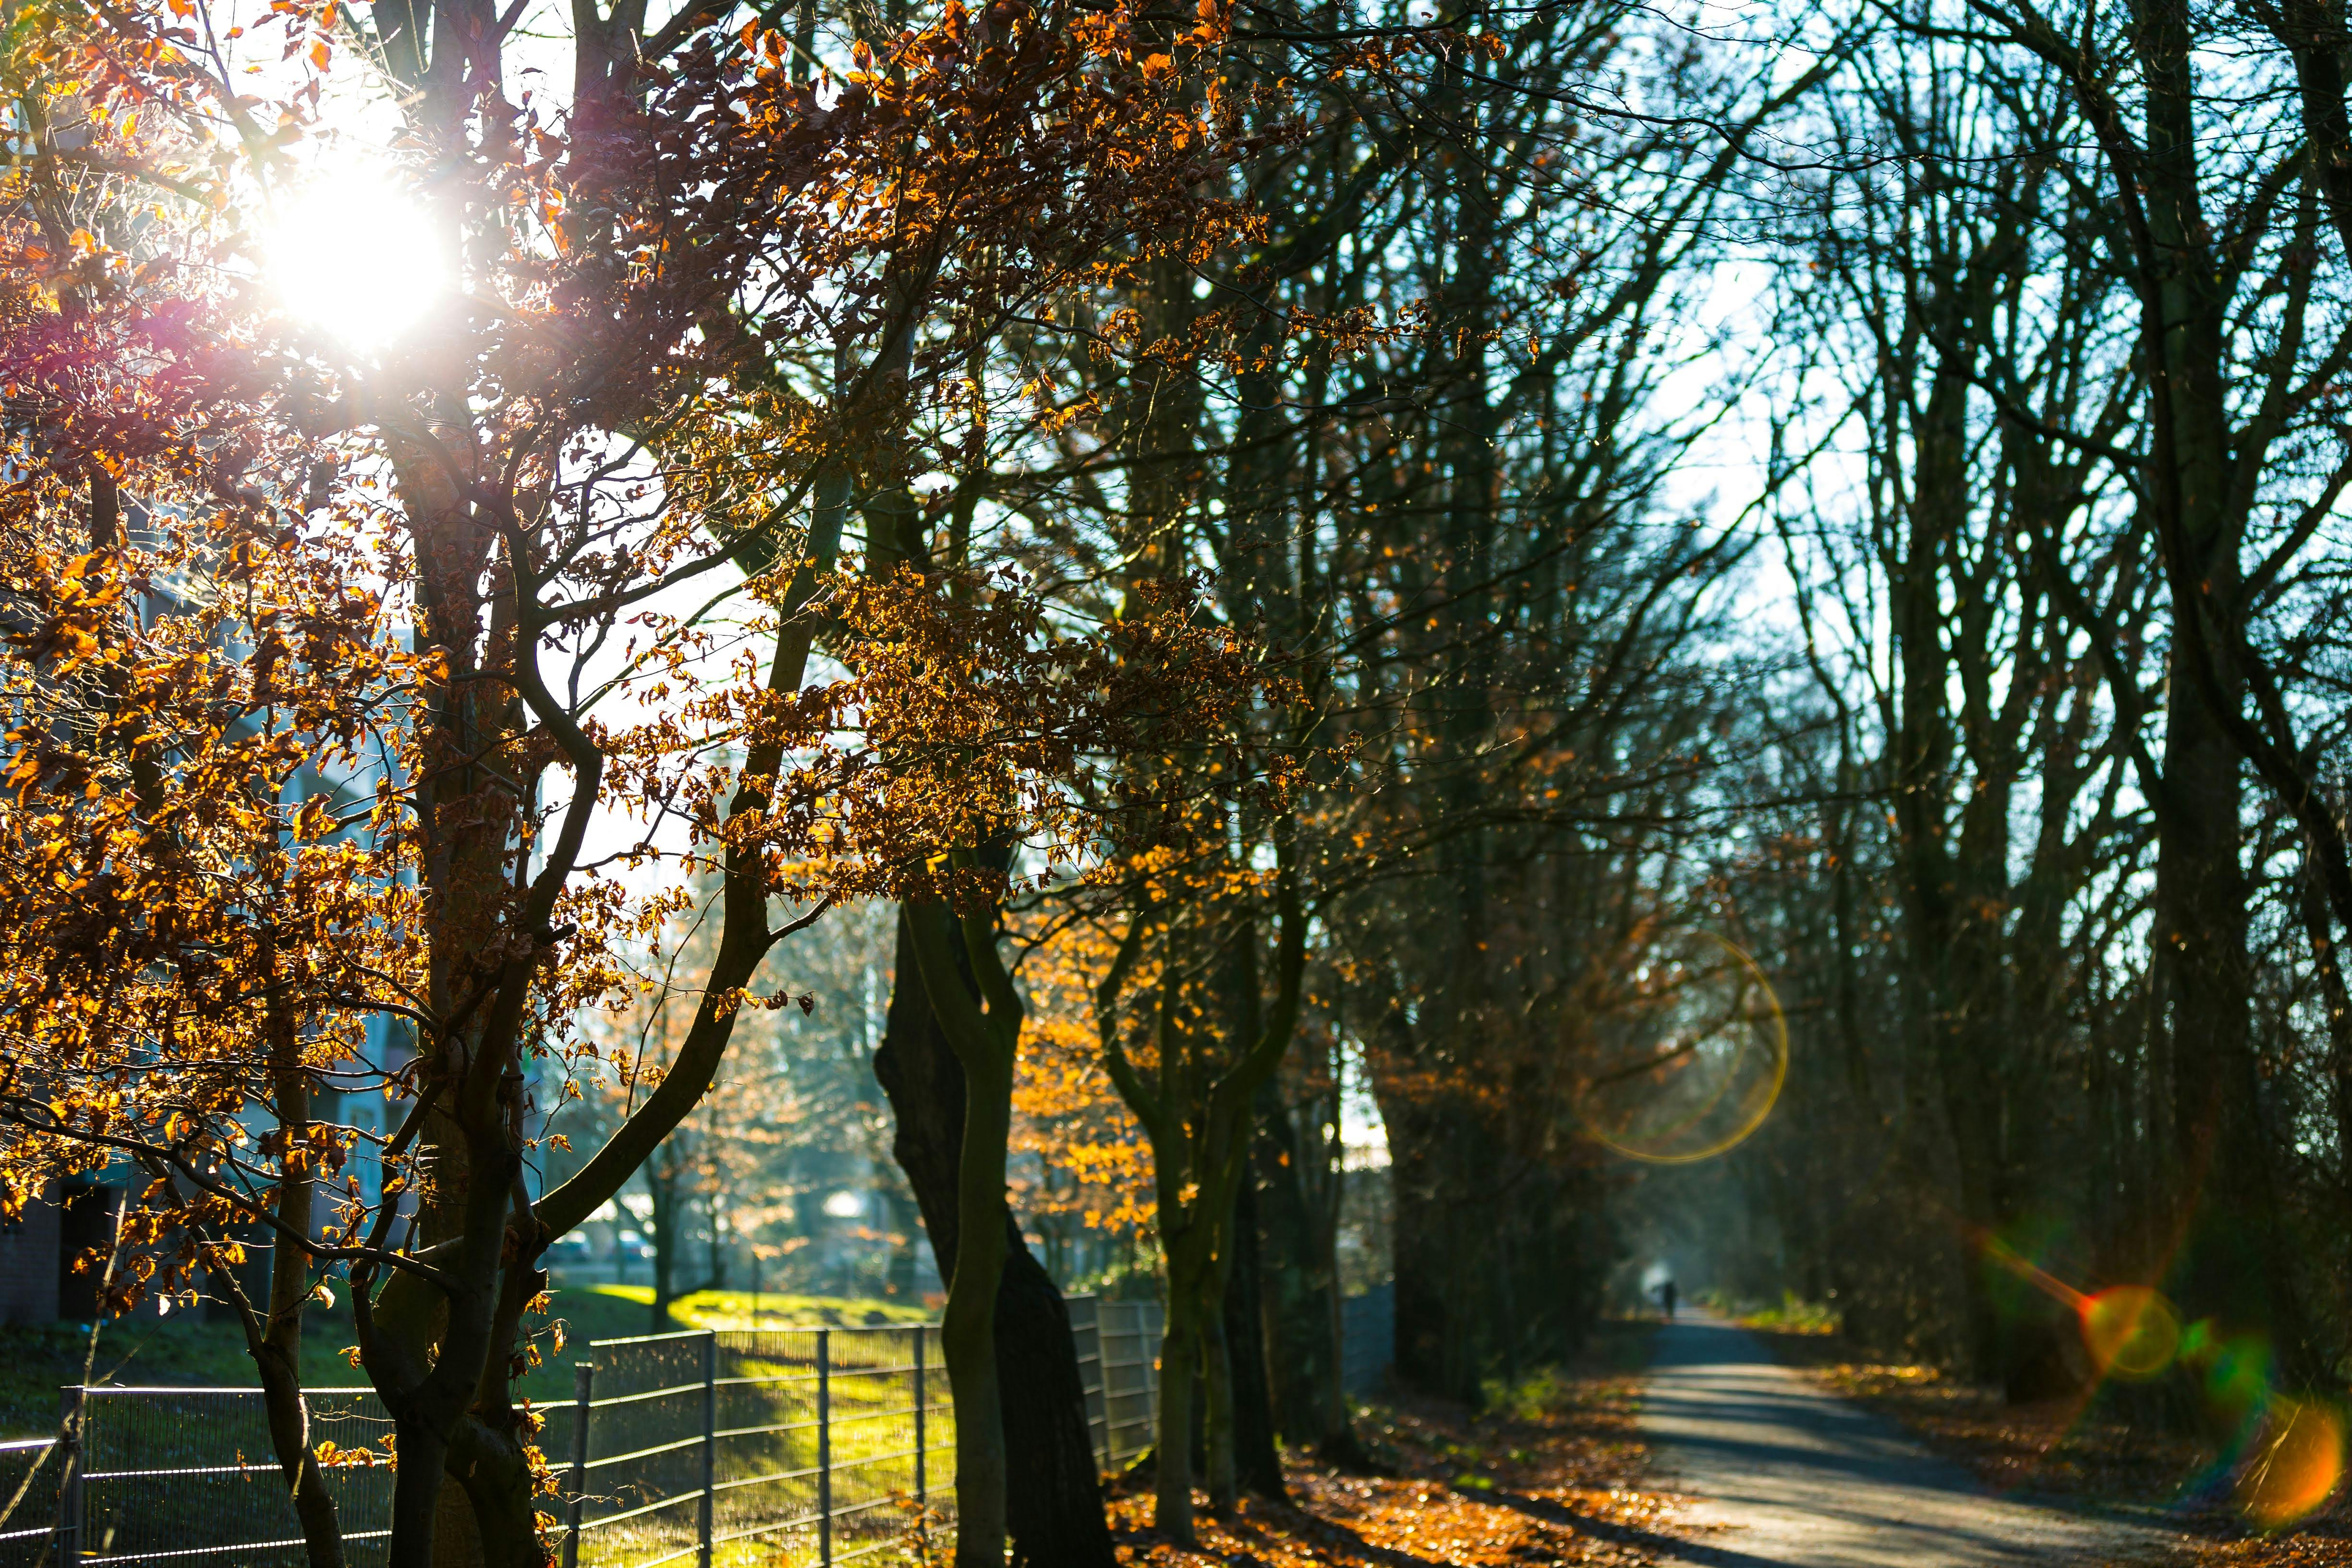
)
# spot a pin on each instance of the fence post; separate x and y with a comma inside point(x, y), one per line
point(920, 1334)
point(1151, 1342)
point(703, 1513)
point(824, 1448)
point(72, 1407)
point(1086, 1330)
point(583, 1383)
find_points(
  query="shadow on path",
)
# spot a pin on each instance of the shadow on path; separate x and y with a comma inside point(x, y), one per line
point(1665, 1546)
point(1787, 1475)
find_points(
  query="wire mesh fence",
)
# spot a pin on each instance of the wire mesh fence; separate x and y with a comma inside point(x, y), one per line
point(186, 1475)
point(28, 1489)
point(791, 1448)
point(818, 1446)
point(1368, 1339)
point(1119, 1362)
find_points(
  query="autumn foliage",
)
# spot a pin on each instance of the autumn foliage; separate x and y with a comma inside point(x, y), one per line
point(355, 725)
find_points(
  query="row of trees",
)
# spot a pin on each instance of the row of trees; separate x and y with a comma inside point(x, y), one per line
point(354, 688)
point(746, 1192)
point(2057, 869)
point(1189, 528)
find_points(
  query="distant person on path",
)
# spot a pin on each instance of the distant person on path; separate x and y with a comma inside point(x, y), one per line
point(1666, 1296)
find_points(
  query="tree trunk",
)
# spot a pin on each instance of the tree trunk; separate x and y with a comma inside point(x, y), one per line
point(1217, 1412)
point(278, 1359)
point(1443, 1340)
point(1054, 1495)
point(1295, 1287)
point(274, 1331)
point(661, 1188)
point(1257, 1464)
point(2232, 1264)
point(904, 1218)
point(968, 1326)
point(1180, 1361)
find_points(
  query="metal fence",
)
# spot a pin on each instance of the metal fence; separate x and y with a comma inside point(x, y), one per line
point(811, 1446)
point(29, 1492)
point(186, 1474)
point(815, 1443)
point(1119, 1362)
point(1368, 1339)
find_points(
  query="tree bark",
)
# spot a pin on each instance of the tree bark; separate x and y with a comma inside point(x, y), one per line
point(1257, 1464)
point(1054, 1495)
point(1217, 1402)
point(277, 1355)
point(987, 1044)
point(1294, 1289)
point(1185, 1398)
point(661, 1189)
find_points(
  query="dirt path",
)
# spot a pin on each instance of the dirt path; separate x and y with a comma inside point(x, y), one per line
point(1785, 1475)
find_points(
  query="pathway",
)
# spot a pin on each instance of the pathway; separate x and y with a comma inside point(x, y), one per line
point(1784, 1474)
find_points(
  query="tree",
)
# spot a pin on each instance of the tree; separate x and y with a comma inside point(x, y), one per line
point(2209, 428)
point(1991, 732)
point(1194, 1089)
point(1150, 683)
point(1053, 1498)
point(562, 444)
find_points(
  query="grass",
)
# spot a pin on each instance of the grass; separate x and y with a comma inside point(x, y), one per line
point(1794, 1315)
point(734, 1308)
point(766, 1407)
point(1616, 1350)
point(180, 1351)
point(185, 1350)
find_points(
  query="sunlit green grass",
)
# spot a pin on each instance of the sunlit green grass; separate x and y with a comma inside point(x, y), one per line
point(869, 1429)
point(185, 1350)
point(869, 1391)
point(736, 1309)
point(179, 1351)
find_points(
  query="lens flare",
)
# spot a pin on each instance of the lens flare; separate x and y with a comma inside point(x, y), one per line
point(2298, 1463)
point(1694, 1064)
point(2237, 1374)
point(2296, 1446)
point(2130, 1331)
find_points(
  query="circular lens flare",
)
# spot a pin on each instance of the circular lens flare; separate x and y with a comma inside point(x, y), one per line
point(2130, 1331)
point(357, 258)
point(1693, 1065)
point(2298, 1463)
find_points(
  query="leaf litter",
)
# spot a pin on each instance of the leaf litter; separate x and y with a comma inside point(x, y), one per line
point(1551, 1472)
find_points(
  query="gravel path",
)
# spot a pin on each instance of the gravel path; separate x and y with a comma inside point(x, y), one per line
point(1784, 1474)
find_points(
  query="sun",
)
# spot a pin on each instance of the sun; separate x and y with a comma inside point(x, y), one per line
point(356, 257)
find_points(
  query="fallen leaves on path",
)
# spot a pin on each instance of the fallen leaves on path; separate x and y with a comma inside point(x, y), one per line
point(1538, 1487)
point(2323, 1543)
point(2055, 1448)
point(2063, 1448)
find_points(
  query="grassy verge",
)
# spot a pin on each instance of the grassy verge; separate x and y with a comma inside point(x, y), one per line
point(180, 1351)
point(736, 1309)
point(185, 1350)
